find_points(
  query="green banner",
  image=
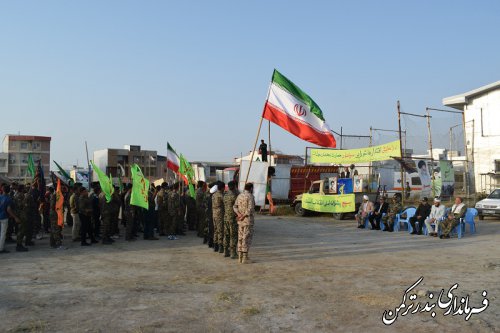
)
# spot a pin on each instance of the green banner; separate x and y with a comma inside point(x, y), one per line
point(362, 155)
point(341, 203)
point(140, 188)
point(105, 182)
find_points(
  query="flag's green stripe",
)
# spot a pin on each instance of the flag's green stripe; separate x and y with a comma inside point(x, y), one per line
point(289, 86)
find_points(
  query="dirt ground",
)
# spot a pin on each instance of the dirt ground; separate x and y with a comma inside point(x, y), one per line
point(311, 274)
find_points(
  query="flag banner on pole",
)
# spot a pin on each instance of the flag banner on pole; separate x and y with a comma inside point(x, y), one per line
point(290, 108)
point(140, 188)
point(105, 182)
point(186, 170)
point(172, 159)
point(59, 204)
point(68, 180)
point(39, 180)
point(31, 166)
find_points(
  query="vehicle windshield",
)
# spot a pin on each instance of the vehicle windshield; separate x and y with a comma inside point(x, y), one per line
point(494, 195)
point(314, 188)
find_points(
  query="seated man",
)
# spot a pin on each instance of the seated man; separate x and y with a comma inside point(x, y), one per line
point(436, 215)
point(365, 209)
point(395, 208)
point(423, 210)
point(453, 219)
point(381, 207)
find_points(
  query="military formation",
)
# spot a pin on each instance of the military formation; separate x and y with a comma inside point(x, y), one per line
point(221, 216)
point(228, 218)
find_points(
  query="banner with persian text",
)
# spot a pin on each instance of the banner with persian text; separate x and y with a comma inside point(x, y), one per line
point(362, 155)
point(340, 203)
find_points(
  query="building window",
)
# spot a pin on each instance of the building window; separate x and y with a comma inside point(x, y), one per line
point(497, 165)
point(2, 163)
point(24, 145)
point(36, 145)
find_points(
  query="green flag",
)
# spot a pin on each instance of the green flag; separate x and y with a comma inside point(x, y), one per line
point(104, 181)
point(64, 174)
point(140, 188)
point(187, 170)
point(31, 166)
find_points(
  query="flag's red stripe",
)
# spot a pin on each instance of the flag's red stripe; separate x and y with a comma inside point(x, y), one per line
point(302, 130)
point(172, 166)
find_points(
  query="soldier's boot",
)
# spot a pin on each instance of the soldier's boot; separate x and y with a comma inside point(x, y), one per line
point(221, 249)
point(240, 257)
point(216, 247)
point(233, 254)
point(245, 259)
point(205, 239)
point(226, 252)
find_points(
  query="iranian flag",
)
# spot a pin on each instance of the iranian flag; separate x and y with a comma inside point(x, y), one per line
point(290, 108)
point(172, 159)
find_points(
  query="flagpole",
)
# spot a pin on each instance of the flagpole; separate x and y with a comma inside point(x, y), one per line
point(88, 164)
point(258, 131)
point(269, 139)
point(254, 146)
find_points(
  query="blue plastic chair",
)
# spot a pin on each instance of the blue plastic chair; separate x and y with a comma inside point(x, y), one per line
point(470, 215)
point(410, 212)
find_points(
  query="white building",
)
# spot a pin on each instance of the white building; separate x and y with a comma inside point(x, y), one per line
point(481, 109)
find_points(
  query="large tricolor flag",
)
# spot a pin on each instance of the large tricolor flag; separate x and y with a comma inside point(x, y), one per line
point(173, 160)
point(290, 108)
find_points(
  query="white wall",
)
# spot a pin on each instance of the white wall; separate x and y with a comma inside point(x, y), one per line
point(483, 144)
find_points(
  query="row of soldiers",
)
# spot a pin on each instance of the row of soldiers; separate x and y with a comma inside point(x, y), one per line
point(94, 217)
point(225, 218)
point(24, 205)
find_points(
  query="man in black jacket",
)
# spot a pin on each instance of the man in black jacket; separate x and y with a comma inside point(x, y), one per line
point(423, 210)
point(381, 207)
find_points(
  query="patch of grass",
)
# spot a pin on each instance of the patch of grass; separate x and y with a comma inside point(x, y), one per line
point(35, 326)
point(284, 210)
point(250, 311)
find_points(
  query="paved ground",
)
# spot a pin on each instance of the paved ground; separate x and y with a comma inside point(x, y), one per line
point(311, 275)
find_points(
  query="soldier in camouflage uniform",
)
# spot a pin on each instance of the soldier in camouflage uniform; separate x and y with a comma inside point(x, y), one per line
point(191, 212)
point(162, 202)
point(218, 217)
point(244, 207)
point(174, 206)
point(116, 203)
point(230, 225)
point(394, 208)
point(106, 211)
point(457, 212)
point(129, 215)
point(85, 215)
point(200, 210)
point(18, 210)
point(55, 229)
point(179, 223)
point(209, 218)
point(73, 206)
point(28, 212)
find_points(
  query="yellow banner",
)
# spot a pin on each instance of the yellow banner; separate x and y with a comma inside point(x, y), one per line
point(340, 203)
point(350, 156)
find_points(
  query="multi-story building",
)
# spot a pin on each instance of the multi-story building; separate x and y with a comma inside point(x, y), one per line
point(482, 135)
point(17, 149)
point(111, 160)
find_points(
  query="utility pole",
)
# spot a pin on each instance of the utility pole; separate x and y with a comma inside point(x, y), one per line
point(402, 156)
point(430, 149)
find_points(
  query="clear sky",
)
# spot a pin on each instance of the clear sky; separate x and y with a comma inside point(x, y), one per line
point(196, 73)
